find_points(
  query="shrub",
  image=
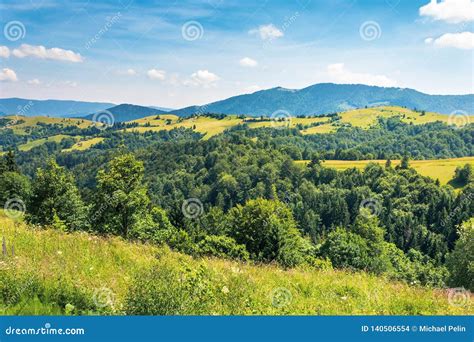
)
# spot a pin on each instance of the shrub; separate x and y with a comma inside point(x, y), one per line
point(222, 247)
point(461, 260)
point(268, 231)
point(346, 249)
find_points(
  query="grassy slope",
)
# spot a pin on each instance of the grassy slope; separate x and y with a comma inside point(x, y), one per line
point(210, 127)
point(84, 144)
point(360, 118)
point(442, 169)
point(92, 262)
point(34, 143)
point(29, 122)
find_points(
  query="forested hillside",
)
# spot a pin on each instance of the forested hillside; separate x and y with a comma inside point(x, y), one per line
point(244, 195)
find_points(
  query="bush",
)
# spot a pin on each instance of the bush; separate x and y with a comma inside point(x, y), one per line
point(461, 260)
point(268, 231)
point(222, 247)
point(346, 250)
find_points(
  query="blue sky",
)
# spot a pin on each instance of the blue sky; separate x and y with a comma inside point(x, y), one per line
point(179, 53)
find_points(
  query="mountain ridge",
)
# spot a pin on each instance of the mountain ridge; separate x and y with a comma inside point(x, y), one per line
point(50, 107)
point(128, 112)
point(322, 98)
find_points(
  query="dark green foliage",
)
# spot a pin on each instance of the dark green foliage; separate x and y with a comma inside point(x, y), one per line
point(460, 261)
point(463, 175)
point(346, 250)
point(222, 247)
point(121, 203)
point(268, 231)
point(14, 185)
point(254, 195)
point(55, 197)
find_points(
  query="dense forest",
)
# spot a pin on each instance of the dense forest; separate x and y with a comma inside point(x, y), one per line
point(240, 195)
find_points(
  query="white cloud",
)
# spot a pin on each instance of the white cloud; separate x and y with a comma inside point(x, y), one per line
point(34, 81)
point(8, 75)
point(462, 40)
point(248, 62)
point(202, 77)
point(4, 52)
point(40, 51)
point(155, 74)
point(267, 32)
point(71, 84)
point(129, 72)
point(451, 11)
point(340, 74)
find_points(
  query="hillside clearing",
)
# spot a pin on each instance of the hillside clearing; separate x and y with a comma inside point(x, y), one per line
point(34, 143)
point(364, 118)
point(84, 144)
point(442, 169)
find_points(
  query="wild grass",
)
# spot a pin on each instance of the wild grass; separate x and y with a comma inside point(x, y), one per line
point(53, 272)
point(35, 143)
point(83, 145)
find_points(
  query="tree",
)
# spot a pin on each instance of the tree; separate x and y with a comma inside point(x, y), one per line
point(460, 261)
point(14, 185)
point(10, 162)
point(405, 163)
point(268, 230)
point(463, 175)
point(121, 204)
point(346, 249)
point(55, 199)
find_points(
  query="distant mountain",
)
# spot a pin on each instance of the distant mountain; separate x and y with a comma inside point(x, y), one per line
point(328, 97)
point(128, 112)
point(165, 109)
point(53, 108)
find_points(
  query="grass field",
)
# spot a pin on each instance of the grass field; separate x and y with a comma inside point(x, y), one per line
point(29, 122)
point(363, 118)
point(442, 169)
point(34, 143)
point(73, 268)
point(367, 117)
point(83, 144)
